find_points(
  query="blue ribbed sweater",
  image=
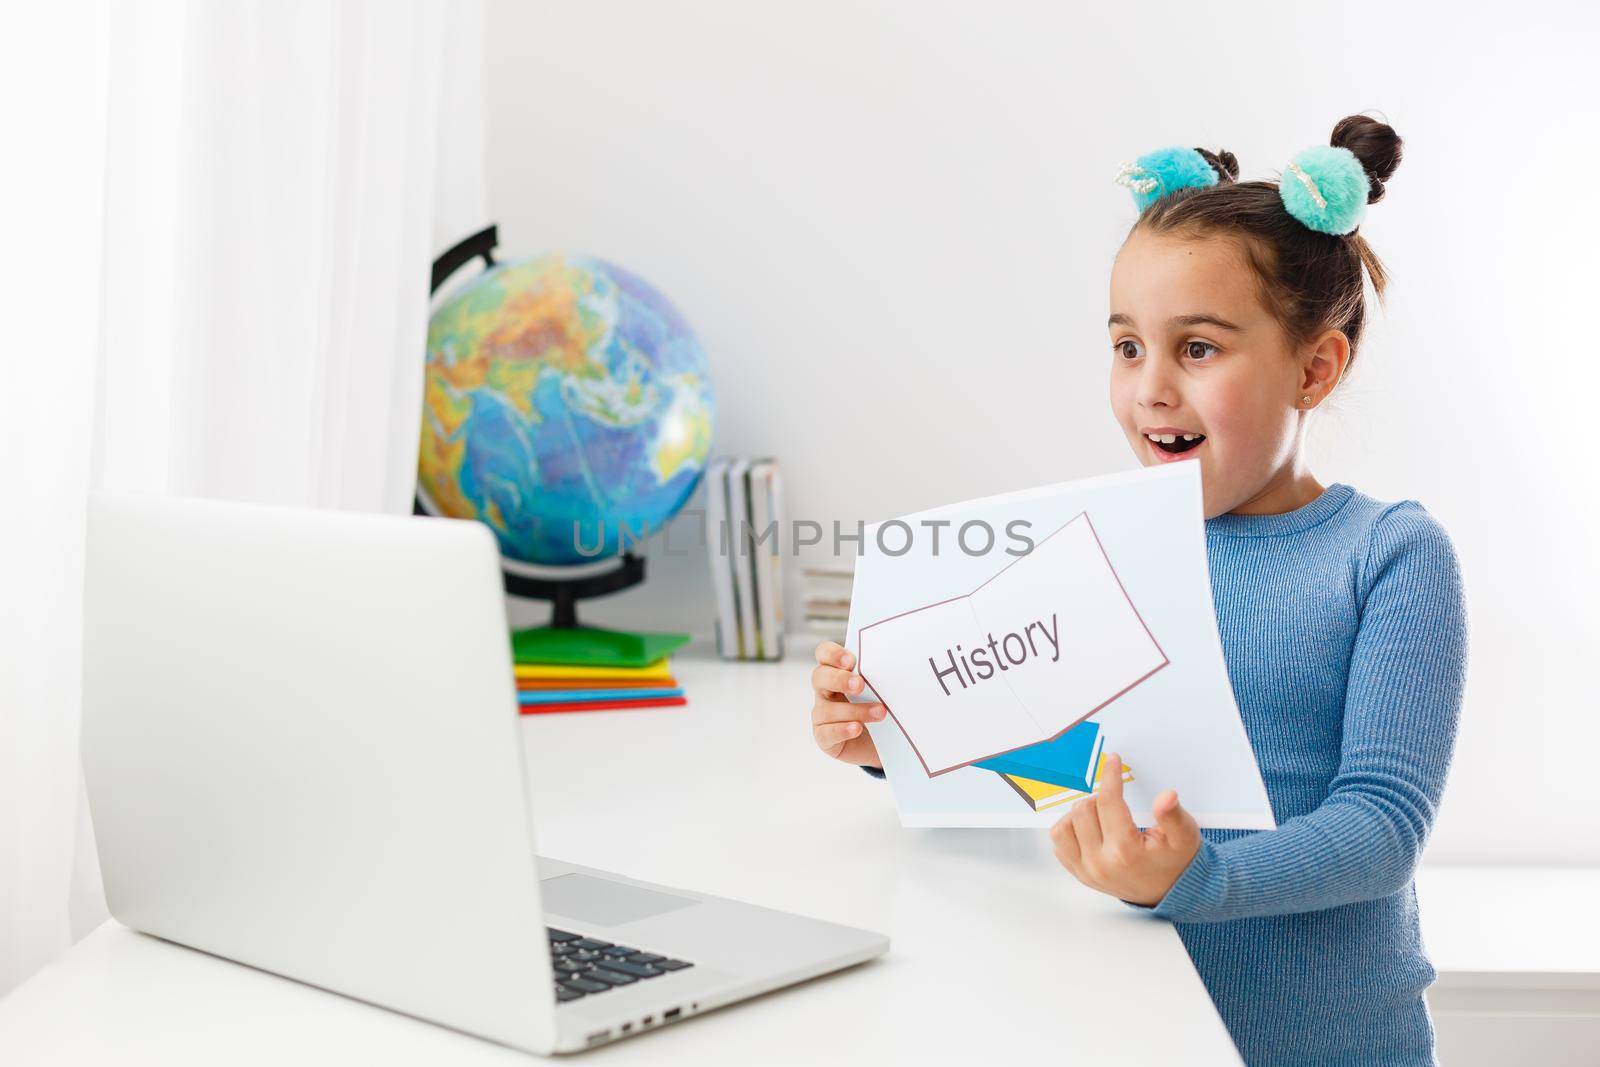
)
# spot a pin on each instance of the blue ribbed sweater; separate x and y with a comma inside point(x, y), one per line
point(1344, 629)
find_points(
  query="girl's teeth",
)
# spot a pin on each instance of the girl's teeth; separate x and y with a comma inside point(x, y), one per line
point(1190, 436)
point(1168, 438)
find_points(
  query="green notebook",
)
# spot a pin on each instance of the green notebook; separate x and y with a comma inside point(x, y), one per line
point(588, 647)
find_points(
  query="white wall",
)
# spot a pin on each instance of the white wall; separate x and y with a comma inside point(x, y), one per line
point(892, 224)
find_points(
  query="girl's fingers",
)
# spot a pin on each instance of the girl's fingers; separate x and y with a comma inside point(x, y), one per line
point(1178, 828)
point(844, 711)
point(832, 653)
point(1086, 824)
point(1116, 821)
point(1066, 843)
point(825, 680)
point(829, 734)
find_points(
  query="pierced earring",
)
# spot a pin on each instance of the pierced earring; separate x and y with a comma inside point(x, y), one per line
point(1305, 400)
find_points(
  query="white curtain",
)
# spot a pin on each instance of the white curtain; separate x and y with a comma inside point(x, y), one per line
point(245, 319)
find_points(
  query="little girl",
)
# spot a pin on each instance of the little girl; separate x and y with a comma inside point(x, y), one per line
point(1236, 309)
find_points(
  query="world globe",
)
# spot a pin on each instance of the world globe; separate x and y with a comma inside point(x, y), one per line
point(566, 405)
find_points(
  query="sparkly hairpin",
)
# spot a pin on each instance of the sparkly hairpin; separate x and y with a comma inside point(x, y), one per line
point(1326, 188)
point(1166, 170)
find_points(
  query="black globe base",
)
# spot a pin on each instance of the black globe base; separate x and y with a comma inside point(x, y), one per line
point(564, 593)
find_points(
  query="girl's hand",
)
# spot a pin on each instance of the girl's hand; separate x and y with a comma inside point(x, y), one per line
point(1098, 842)
point(836, 723)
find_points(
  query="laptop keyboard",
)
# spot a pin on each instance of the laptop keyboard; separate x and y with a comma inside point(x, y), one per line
point(585, 966)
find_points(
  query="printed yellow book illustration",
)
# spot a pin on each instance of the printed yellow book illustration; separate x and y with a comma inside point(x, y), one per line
point(1042, 795)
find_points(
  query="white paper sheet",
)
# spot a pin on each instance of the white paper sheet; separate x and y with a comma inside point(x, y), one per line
point(1108, 615)
point(1044, 643)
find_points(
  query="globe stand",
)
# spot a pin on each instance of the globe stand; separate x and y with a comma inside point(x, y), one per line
point(563, 593)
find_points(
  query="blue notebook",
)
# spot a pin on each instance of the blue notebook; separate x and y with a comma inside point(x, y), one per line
point(1070, 760)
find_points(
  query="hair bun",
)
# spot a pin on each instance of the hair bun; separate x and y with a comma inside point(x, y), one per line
point(1375, 144)
point(1224, 162)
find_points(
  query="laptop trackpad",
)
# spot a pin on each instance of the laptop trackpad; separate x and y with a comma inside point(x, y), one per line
point(607, 903)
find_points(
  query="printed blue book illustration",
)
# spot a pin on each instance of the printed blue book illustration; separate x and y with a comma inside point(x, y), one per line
point(1070, 760)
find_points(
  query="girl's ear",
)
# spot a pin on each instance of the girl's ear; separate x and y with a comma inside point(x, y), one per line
point(1324, 361)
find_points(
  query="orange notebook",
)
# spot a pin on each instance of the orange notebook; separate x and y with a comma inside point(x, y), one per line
point(528, 685)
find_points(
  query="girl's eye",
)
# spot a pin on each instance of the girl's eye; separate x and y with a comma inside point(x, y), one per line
point(1122, 349)
point(1199, 350)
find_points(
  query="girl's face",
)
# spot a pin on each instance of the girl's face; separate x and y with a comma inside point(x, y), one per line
point(1194, 352)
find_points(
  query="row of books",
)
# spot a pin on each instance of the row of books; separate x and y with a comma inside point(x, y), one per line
point(825, 598)
point(584, 669)
point(745, 535)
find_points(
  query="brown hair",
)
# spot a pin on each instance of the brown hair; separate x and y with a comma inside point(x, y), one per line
point(1310, 281)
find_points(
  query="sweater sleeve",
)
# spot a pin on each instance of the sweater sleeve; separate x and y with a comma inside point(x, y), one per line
point(1402, 703)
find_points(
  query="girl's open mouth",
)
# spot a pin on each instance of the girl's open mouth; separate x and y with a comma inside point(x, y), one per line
point(1176, 449)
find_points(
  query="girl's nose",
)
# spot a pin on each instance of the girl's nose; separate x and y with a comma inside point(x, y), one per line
point(1156, 386)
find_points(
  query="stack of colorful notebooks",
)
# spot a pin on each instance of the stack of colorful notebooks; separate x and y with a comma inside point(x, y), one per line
point(584, 669)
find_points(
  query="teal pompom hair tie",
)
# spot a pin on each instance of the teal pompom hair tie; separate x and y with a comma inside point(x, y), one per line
point(1326, 188)
point(1166, 170)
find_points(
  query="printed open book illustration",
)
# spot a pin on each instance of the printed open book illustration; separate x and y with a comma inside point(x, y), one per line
point(1010, 662)
point(1043, 644)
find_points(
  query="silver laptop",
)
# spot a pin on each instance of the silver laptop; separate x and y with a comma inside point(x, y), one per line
point(302, 749)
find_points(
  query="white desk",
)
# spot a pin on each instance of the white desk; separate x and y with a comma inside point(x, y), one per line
point(1518, 955)
point(994, 946)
